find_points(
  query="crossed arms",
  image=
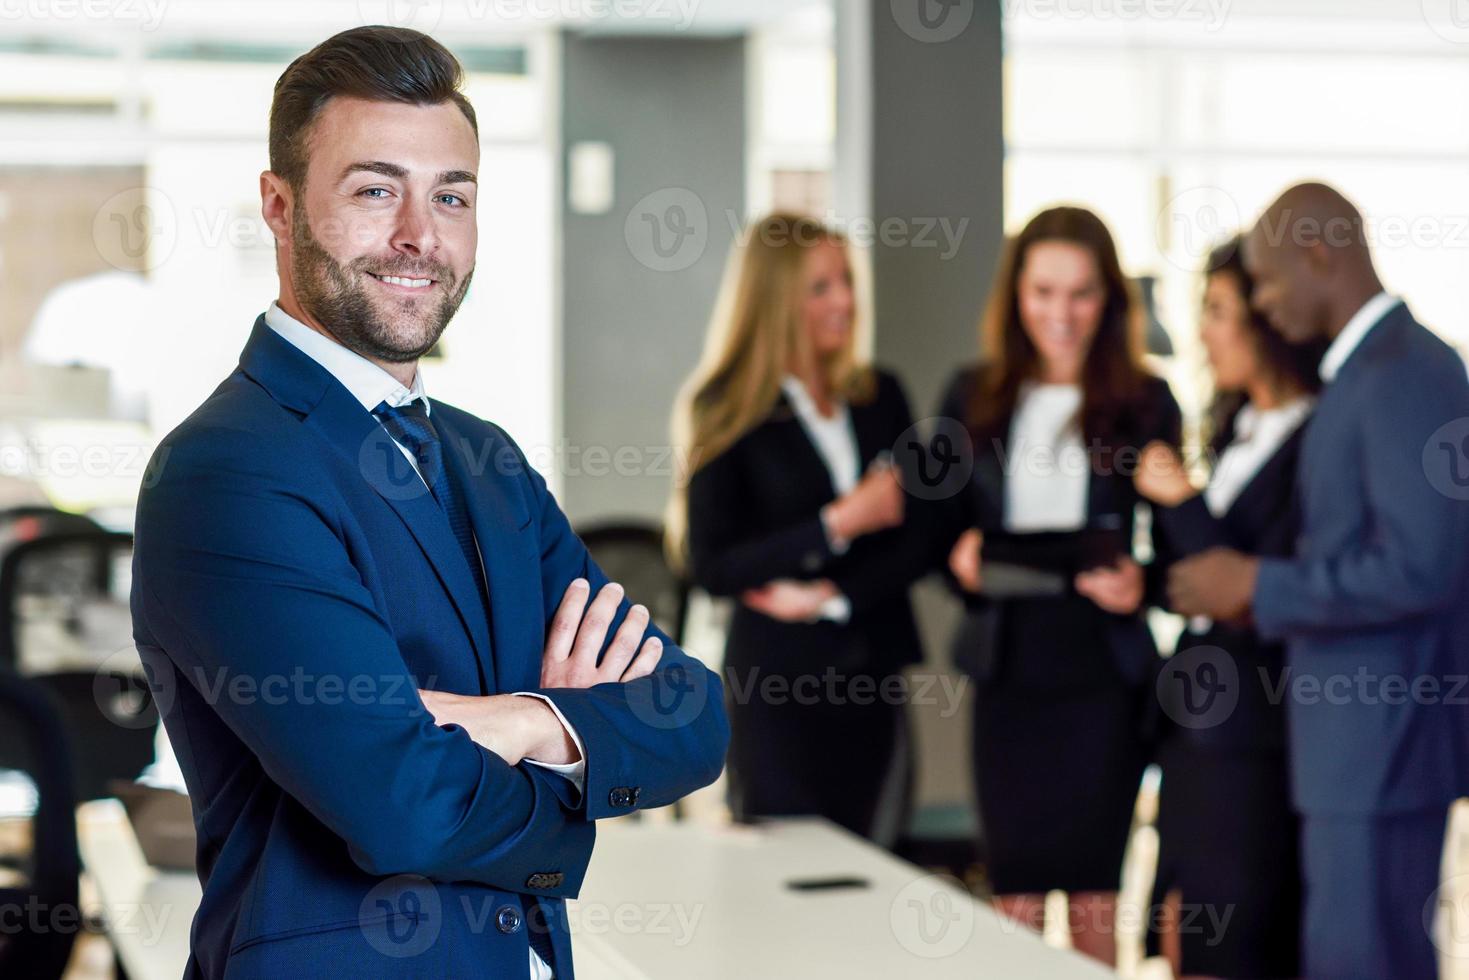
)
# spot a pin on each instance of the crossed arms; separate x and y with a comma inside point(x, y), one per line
point(242, 569)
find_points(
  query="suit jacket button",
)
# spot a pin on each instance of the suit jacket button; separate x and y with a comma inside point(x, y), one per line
point(507, 919)
point(621, 796)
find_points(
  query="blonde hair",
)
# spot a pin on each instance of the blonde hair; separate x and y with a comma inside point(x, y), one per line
point(755, 334)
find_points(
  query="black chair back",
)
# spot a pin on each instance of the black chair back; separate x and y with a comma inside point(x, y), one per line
point(33, 740)
point(68, 588)
point(631, 554)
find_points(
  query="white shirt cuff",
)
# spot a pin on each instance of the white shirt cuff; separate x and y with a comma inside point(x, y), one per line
point(574, 771)
point(838, 609)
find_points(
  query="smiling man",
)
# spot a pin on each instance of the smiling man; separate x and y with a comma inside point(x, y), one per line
point(400, 690)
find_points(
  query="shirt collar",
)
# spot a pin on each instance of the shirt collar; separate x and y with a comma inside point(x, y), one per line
point(367, 382)
point(1252, 421)
point(1353, 333)
point(802, 402)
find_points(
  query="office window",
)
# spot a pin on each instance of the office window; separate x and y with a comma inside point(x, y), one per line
point(1178, 133)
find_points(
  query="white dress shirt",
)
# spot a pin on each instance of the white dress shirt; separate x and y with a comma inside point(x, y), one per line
point(836, 444)
point(1354, 332)
point(1048, 470)
point(371, 386)
point(1257, 435)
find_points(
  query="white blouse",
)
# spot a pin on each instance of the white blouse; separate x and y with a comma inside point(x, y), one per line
point(836, 443)
point(1258, 434)
point(1047, 469)
point(833, 436)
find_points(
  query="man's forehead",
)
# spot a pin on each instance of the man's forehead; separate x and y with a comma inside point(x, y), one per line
point(419, 139)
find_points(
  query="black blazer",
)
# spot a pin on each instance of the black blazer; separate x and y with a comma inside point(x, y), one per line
point(1263, 520)
point(754, 516)
point(1112, 500)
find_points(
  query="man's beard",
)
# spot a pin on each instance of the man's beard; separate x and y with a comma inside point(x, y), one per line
point(335, 295)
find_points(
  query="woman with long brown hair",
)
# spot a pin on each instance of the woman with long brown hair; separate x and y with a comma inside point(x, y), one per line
point(1228, 834)
point(793, 509)
point(1058, 408)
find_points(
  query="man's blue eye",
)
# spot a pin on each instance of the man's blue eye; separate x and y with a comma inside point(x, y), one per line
point(371, 190)
point(451, 197)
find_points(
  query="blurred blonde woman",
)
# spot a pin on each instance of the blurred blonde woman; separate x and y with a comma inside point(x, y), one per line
point(792, 509)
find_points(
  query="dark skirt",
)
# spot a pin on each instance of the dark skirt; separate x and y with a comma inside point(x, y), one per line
point(1059, 751)
point(1229, 844)
point(1057, 774)
point(836, 750)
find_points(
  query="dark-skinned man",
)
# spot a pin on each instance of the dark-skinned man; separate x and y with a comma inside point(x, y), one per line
point(1374, 607)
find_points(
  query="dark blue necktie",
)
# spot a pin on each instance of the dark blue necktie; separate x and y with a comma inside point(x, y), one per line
point(410, 427)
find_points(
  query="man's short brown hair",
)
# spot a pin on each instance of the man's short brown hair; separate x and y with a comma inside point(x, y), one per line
point(385, 64)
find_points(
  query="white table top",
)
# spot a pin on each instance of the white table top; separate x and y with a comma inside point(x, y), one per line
point(148, 911)
point(672, 901)
point(685, 900)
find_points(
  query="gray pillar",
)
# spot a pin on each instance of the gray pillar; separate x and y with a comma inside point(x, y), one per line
point(639, 280)
point(920, 145)
point(920, 142)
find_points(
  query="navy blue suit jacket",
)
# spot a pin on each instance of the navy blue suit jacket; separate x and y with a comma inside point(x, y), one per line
point(291, 591)
point(1376, 600)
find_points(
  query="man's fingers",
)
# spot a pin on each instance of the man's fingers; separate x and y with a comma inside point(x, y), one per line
point(595, 622)
point(620, 652)
point(564, 624)
point(646, 661)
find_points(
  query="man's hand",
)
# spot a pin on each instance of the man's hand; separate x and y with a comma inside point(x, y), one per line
point(1218, 583)
point(1118, 589)
point(964, 561)
point(515, 727)
point(789, 600)
point(578, 631)
point(512, 727)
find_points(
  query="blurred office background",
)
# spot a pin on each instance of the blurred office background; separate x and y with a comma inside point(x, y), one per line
point(623, 146)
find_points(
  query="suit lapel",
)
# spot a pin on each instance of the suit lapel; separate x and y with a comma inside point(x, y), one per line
point(299, 383)
point(798, 450)
point(498, 512)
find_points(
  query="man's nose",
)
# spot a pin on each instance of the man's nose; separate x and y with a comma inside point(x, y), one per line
point(415, 233)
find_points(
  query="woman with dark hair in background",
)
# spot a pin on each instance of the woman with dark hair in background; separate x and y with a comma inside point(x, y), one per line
point(793, 509)
point(1057, 410)
point(1228, 836)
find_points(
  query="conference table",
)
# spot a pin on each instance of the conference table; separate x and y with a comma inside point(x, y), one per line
point(791, 898)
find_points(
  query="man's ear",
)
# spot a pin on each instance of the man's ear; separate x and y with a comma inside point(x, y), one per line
point(276, 202)
point(1319, 258)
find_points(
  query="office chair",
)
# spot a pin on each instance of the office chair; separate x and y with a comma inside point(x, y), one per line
point(33, 740)
point(63, 588)
point(631, 553)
